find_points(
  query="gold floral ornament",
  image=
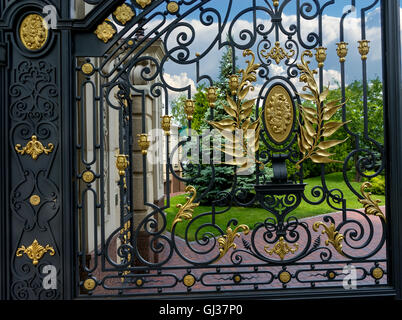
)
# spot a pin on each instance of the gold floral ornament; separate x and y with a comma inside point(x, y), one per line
point(33, 32)
point(35, 251)
point(143, 3)
point(342, 50)
point(281, 248)
point(370, 206)
point(212, 96)
point(186, 211)
point(320, 55)
point(364, 48)
point(105, 31)
point(316, 124)
point(277, 53)
point(122, 163)
point(334, 237)
point(34, 148)
point(239, 110)
point(124, 13)
point(144, 143)
point(166, 124)
point(227, 241)
point(189, 108)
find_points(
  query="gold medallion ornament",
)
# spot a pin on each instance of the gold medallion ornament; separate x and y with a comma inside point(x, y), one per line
point(377, 273)
point(33, 32)
point(172, 7)
point(279, 114)
point(87, 68)
point(34, 200)
point(285, 277)
point(89, 284)
point(35, 251)
point(281, 248)
point(124, 13)
point(189, 280)
point(88, 176)
point(34, 148)
point(143, 3)
point(105, 31)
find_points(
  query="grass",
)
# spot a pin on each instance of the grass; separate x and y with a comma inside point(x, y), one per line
point(251, 216)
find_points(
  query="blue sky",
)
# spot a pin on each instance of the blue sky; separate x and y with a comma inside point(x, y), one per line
point(181, 75)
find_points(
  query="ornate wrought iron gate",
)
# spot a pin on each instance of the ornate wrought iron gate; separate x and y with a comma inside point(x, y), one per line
point(85, 82)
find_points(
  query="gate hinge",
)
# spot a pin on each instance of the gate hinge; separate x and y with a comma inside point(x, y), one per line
point(3, 55)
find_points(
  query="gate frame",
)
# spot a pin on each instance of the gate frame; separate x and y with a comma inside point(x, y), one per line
point(391, 60)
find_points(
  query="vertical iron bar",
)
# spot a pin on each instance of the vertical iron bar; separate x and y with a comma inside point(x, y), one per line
point(391, 50)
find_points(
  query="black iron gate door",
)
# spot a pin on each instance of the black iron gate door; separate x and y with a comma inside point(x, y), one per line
point(198, 148)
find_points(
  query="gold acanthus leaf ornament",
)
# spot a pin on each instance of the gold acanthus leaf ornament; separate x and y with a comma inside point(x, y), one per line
point(35, 251)
point(34, 148)
point(334, 237)
point(242, 150)
point(186, 211)
point(277, 53)
point(281, 248)
point(371, 206)
point(227, 241)
point(316, 124)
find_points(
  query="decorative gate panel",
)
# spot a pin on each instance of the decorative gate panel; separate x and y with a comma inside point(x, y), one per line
point(151, 169)
point(277, 105)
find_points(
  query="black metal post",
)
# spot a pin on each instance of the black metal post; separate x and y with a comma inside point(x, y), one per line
point(393, 125)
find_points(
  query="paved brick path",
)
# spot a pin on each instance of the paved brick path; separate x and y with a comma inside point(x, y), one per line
point(256, 274)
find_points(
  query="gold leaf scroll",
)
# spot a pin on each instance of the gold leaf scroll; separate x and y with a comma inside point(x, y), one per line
point(316, 124)
point(239, 111)
point(186, 211)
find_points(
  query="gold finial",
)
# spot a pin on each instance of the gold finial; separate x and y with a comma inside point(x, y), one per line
point(189, 108)
point(122, 164)
point(166, 124)
point(143, 142)
point(34, 148)
point(364, 48)
point(320, 56)
point(342, 50)
point(212, 96)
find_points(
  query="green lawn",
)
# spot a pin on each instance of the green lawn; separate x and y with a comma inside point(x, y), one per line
point(251, 216)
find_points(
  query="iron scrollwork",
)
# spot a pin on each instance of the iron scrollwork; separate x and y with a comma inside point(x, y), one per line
point(287, 133)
